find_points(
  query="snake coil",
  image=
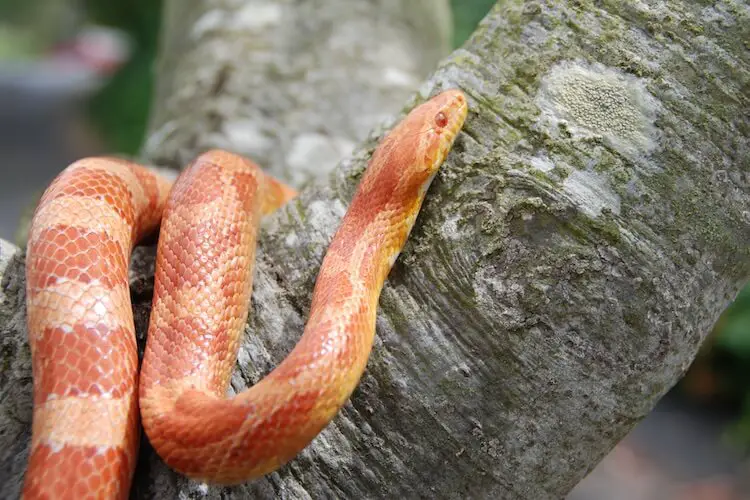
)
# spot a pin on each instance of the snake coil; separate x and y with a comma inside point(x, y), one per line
point(88, 396)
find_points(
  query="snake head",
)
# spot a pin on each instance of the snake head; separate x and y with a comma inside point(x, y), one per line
point(442, 118)
point(429, 131)
point(426, 136)
point(407, 159)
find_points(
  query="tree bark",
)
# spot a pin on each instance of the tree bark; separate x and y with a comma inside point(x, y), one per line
point(589, 226)
point(293, 85)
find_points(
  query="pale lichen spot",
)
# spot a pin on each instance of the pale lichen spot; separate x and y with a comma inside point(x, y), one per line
point(450, 229)
point(210, 21)
point(535, 34)
point(542, 163)
point(396, 77)
point(7, 251)
point(291, 240)
point(310, 152)
point(245, 135)
point(257, 16)
point(325, 215)
point(591, 192)
point(593, 100)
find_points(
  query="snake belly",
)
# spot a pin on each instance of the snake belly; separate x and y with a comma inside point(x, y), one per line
point(84, 437)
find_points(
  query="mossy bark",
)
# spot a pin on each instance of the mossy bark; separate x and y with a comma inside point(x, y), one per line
point(589, 226)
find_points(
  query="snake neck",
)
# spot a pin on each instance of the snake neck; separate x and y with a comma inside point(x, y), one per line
point(367, 244)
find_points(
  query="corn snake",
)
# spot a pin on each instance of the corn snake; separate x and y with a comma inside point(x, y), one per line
point(89, 394)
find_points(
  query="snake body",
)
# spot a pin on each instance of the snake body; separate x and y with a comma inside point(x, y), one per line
point(84, 356)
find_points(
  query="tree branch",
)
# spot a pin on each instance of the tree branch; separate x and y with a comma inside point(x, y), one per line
point(293, 85)
point(589, 226)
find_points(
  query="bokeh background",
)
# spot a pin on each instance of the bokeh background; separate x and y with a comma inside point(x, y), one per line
point(75, 80)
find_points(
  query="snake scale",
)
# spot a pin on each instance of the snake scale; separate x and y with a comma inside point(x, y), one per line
point(89, 393)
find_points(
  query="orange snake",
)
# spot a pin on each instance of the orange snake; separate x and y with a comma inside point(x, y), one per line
point(87, 390)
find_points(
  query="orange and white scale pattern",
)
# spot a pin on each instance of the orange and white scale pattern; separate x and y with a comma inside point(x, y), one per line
point(85, 419)
point(81, 333)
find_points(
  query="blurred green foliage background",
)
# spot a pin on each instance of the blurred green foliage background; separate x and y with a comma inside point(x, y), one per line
point(120, 113)
point(121, 108)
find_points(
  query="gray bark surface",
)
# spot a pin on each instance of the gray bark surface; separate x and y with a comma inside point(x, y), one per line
point(293, 85)
point(588, 228)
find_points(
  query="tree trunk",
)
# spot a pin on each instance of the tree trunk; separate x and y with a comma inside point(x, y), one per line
point(588, 228)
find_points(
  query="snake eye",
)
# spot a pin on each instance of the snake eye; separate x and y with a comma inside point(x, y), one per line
point(441, 120)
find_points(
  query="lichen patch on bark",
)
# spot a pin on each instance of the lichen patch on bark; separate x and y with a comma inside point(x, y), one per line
point(592, 100)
